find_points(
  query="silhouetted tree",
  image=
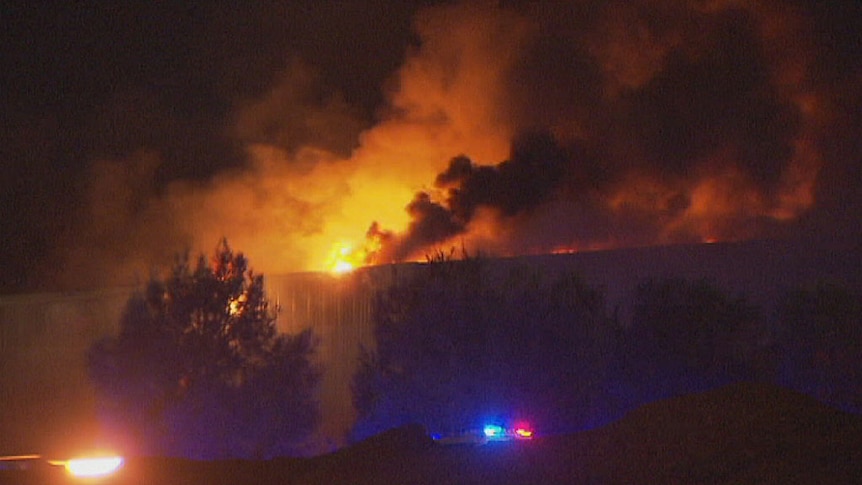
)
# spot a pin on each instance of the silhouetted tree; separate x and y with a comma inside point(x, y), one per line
point(198, 368)
point(820, 340)
point(689, 334)
point(455, 345)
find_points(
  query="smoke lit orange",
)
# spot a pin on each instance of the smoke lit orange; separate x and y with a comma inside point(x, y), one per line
point(653, 136)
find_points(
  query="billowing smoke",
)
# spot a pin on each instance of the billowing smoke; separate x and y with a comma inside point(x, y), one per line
point(515, 186)
point(502, 128)
point(667, 122)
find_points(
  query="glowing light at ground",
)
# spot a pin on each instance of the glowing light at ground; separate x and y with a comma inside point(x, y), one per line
point(94, 467)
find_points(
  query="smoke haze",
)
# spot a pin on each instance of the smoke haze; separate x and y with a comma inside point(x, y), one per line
point(304, 134)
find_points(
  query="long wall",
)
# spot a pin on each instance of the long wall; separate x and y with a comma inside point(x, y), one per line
point(338, 309)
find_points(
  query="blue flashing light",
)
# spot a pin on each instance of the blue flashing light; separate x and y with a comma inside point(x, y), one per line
point(494, 431)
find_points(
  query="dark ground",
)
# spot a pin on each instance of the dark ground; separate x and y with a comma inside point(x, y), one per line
point(744, 433)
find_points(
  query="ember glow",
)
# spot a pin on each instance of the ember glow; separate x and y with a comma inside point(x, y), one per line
point(528, 128)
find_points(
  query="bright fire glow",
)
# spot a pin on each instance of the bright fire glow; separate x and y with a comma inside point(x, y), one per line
point(236, 305)
point(343, 267)
point(342, 258)
point(345, 257)
point(94, 467)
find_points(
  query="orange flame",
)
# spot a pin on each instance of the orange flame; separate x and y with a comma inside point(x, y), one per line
point(345, 257)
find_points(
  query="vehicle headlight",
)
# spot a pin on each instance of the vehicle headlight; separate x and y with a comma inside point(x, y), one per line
point(92, 467)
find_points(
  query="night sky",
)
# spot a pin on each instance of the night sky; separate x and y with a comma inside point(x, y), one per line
point(307, 132)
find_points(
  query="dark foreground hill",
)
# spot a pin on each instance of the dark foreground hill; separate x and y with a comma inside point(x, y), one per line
point(742, 433)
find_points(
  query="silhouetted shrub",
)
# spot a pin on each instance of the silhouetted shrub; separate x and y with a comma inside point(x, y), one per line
point(199, 370)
